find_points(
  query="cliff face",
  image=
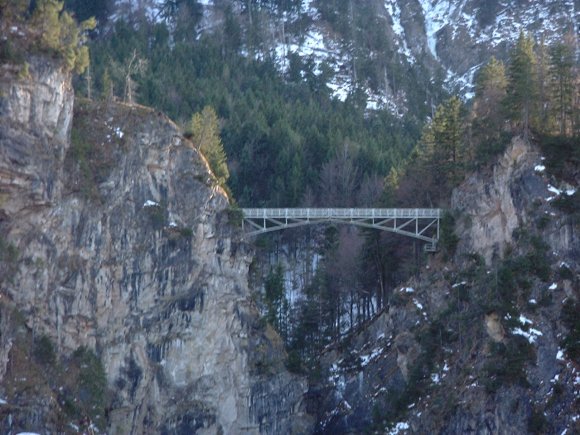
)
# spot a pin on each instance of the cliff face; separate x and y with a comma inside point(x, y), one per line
point(479, 343)
point(119, 242)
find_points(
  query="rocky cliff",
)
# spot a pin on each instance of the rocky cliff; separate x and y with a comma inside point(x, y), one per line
point(481, 343)
point(118, 260)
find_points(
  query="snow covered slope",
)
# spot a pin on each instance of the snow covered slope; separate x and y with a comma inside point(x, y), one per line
point(449, 39)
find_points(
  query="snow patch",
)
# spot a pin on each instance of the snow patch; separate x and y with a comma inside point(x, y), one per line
point(531, 335)
point(150, 203)
point(554, 286)
point(393, 9)
point(366, 359)
point(539, 168)
point(438, 14)
point(401, 426)
point(418, 304)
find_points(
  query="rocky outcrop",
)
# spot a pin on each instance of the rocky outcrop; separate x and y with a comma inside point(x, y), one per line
point(123, 246)
point(476, 344)
point(490, 205)
point(35, 121)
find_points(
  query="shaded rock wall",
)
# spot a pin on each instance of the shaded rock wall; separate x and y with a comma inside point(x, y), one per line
point(124, 246)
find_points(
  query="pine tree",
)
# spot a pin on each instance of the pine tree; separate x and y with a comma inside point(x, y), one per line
point(45, 19)
point(521, 99)
point(444, 138)
point(487, 114)
point(107, 86)
point(276, 302)
point(60, 34)
point(204, 128)
point(438, 160)
point(13, 10)
point(543, 121)
point(562, 84)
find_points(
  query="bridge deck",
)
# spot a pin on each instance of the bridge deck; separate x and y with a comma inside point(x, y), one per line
point(420, 223)
point(341, 213)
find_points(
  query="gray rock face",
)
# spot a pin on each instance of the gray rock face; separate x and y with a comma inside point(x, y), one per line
point(488, 207)
point(134, 258)
point(35, 121)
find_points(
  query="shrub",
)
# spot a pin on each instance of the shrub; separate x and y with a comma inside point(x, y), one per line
point(537, 422)
point(235, 215)
point(44, 351)
point(8, 252)
point(157, 215)
point(448, 239)
point(90, 386)
point(506, 363)
point(571, 319)
point(568, 203)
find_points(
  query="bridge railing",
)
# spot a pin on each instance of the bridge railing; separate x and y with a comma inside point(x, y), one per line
point(341, 213)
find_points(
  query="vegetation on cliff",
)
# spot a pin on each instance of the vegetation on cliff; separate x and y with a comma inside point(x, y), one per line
point(44, 28)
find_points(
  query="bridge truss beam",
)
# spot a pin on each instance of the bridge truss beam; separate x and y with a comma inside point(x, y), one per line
point(419, 223)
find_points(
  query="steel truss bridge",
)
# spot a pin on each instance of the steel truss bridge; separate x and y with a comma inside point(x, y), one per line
point(419, 223)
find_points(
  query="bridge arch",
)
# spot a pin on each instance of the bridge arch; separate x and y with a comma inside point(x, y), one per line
point(418, 223)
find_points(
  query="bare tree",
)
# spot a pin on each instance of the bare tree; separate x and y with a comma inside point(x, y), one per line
point(133, 67)
point(339, 179)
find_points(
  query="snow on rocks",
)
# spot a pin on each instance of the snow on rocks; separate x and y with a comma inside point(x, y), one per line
point(531, 335)
point(375, 353)
point(399, 428)
point(558, 192)
point(394, 10)
point(554, 190)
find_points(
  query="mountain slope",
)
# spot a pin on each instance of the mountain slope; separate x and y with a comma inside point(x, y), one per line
point(484, 342)
point(385, 46)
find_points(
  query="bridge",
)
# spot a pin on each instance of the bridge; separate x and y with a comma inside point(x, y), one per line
point(419, 223)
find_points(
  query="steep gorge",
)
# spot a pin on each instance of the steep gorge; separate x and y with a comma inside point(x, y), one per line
point(118, 241)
